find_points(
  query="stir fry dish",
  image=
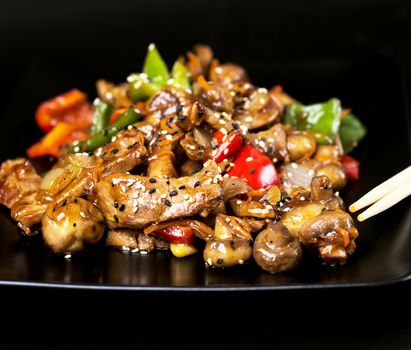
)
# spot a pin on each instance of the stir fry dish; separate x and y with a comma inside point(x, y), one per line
point(191, 159)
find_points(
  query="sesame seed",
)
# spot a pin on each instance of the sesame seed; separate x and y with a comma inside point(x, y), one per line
point(249, 159)
point(181, 117)
point(114, 151)
point(115, 218)
point(114, 138)
point(196, 171)
point(182, 187)
point(173, 193)
point(253, 170)
point(220, 261)
point(130, 127)
point(163, 196)
point(115, 204)
point(239, 202)
point(198, 183)
point(186, 197)
point(167, 203)
point(152, 190)
point(67, 256)
point(122, 207)
point(225, 151)
point(248, 119)
point(152, 180)
point(169, 137)
point(76, 149)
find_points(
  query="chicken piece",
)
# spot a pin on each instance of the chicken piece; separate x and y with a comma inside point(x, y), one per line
point(126, 239)
point(332, 233)
point(232, 242)
point(276, 250)
point(67, 228)
point(193, 150)
point(17, 178)
point(272, 142)
point(256, 107)
point(137, 201)
point(29, 210)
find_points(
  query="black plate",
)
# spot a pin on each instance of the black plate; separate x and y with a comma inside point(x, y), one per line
point(372, 87)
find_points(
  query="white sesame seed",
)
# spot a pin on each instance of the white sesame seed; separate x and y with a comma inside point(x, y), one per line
point(67, 256)
point(225, 151)
point(76, 149)
point(241, 261)
point(249, 159)
point(114, 138)
point(293, 165)
point(169, 137)
point(239, 202)
point(60, 216)
point(143, 252)
point(186, 196)
point(222, 122)
point(248, 119)
point(163, 196)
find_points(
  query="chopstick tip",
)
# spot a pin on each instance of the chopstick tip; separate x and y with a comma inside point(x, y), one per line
point(352, 208)
point(360, 218)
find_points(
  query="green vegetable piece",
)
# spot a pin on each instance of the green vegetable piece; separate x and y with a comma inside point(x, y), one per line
point(155, 67)
point(180, 75)
point(130, 116)
point(320, 118)
point(140, 88)
point(101, 116)
point(351, 132)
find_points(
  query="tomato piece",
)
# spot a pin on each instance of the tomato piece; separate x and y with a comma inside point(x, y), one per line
point(176, 234)
point(71, 107)
point(228, 145)
point(255, 168)
point(351, 167)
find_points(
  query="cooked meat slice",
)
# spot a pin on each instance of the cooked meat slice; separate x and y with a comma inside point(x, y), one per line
point(67, 228)
point(161, 151)
point(17, 178)
point(213, 96)
point(112, 94)
point(137, 201)
point(29, 210)
point(194, 150)
point(232, 242)
point(134, 239)
point(120, 238)
point(276, 250)
point(199, 61)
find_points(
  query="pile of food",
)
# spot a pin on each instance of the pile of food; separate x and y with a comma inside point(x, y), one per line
point(193, 158)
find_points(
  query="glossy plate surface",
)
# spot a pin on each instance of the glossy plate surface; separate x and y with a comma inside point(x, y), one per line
point(372, 87)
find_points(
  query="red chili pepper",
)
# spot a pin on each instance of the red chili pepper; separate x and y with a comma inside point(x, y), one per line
point(116, 114)
point(71, 107)
point(176, 234)
point(255, 168)
point(62, 134)
point(228, 144)
point(351, 167)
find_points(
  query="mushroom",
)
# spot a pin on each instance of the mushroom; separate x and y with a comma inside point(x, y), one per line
point(232, 242)
point(276, 250)
point(66, 229)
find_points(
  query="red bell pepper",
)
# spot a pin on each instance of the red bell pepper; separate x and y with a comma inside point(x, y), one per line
point(62, 134)
point(228, 144)
point(71, 107)
point(351, 167)
point(176, 234)
point(255, 168)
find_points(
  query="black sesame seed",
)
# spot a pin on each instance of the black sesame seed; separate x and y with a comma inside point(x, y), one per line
point(114, 151)
point(74, 224)
point(180, 108)
point(200, 113)
point(250, 242)
point(75, 201)
point(196, 171)
point(270, 150)
point(64, 202)
point(152, 190)
point(198, 183)
point(181, 117)
point(115, 204)
point(232, 244)
point(122, 207)
point(168, 182)
point(220, 261)
point(152, 180)
point(182, 187)
point(220, 197)
point(173, 193)
point(167, 203)
point(115, 218)
point(235, 126)
point(103, 157)
point(130, 147)
point(253, 170)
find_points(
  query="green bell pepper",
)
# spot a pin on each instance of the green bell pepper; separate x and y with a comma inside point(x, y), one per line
point(101, 116)
point(130, 116)
point(181, 75)
point(322, 119)
point(351, 132)
point(155, 68)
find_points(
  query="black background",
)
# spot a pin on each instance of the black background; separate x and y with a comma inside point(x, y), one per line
point(77, 42)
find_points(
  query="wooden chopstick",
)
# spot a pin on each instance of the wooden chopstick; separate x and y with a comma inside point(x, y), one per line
point(385, 195)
